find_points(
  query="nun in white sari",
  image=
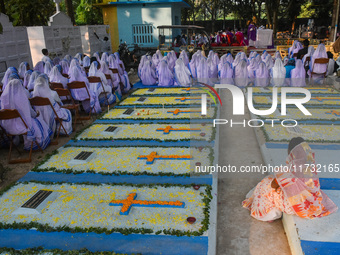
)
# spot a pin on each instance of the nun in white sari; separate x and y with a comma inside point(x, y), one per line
point(27, 77)
point(122, 72)
point(226, 74)
point(251, 69)
point(182, 74)
point(156, 58)
point(278, 73)
point(148, 74)
point(241, 74)
point(14, 97)
point(47, 68)
point(184, 56)
point(10, 70)
point(65, 66)
point(23, 67)
point(262, 76)
point(86, 61)
point(98, 88)
point(213, 68)
point(193, 64)
point(320, 52)
point(56, 76)
point(298, 75)
point(203, 71)
point(42, 89)
point(33, 77)
point(81, 94)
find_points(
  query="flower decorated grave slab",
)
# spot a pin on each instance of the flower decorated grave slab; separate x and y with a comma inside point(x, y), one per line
point(314, 91)
point(88, 212)
point(327, 115)
point(142, 101)
point(167, 91)
point(125, 160)
point(311, 133)
point(320, 101)
point(150, 132)
point(158, 114)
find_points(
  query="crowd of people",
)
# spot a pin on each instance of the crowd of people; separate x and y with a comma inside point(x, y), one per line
point(23, 83)
point(260, 70)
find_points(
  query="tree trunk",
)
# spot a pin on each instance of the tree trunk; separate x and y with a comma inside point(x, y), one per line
point(224, 15)
point(269, 12)
point(259, 12)
point(334, 18)
point(70, 11)
point(2, 7)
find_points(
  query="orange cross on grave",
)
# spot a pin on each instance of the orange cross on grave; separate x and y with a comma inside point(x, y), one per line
point(336, 113)
point(153, 155)
point(321, 99)
point(131, 201)
point(183, 99)
point(177, 111)
point(168, 129)
point(188, 89)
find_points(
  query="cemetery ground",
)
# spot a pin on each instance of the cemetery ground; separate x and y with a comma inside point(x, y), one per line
point(237, 232)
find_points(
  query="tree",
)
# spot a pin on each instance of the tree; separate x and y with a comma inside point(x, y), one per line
point(213, 7)
point(70, 10)
point(29, 13)
point(335, 19)
point(2, 7)
point(88, 14)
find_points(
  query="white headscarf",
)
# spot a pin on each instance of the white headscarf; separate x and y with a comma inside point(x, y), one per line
point(320, 52)
point(79, 56)
point(65, 66)
point(202, 69)
point(277, 55)
point(105, 57)
point(269, 62)
point(148, 74)
point(23, 67)
point(9, 72)
point(56, 76)
point(182, 73)
point(86, 61)
point(47, 68)
point(226, 74)
point(33, 77)
point(241, 74)
point(185, 57)
point(27, 78)
point(278, 73)
point(262, 75)
point(165, 76)
point(14, 97)
point(298, 75)
point(96, 55)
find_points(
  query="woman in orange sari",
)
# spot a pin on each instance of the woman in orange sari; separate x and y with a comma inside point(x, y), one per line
point(296, 191)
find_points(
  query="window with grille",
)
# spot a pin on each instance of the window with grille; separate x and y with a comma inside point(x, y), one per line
point(142, 34)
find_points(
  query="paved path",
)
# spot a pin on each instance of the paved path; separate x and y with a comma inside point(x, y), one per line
point(237, 232)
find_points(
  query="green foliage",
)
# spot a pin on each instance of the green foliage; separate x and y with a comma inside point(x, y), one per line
point(29, 13)
point(87, 13)
point(307, 10)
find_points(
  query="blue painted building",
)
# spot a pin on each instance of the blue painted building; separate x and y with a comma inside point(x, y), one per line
point(137, 20)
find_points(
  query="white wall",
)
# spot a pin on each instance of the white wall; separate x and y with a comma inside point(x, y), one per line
point(59, 40)
point(14, 47)
point(90, 43)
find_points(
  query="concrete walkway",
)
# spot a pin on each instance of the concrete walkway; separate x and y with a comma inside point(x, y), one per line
point(237, 232)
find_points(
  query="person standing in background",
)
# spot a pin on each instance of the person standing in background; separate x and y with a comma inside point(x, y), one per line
point(45, 58)
point(251, 33)
point(105, 45)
